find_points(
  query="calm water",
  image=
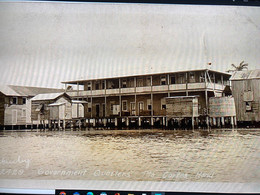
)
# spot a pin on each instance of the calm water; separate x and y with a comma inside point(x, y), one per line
point(147, 155)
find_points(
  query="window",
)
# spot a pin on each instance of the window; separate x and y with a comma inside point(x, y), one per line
point(24, 112)
point(149, 104)
point(132, 107)
point(124, 105)
point(139, 82)
point(24, 100)
point(141, 106)
point(14, 100)
point(148, 81)
point(103, 84)
point(202, 77)
point(173, 80)
point(163, 103)
point(112, 103)
point(89, 85)
point(192, 77)
point(248, 106)
point(181, 79)
point(163, 80)
point(97, 86)
point(124, 83)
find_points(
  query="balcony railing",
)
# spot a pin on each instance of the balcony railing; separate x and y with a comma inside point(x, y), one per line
point(98, 92)
point(148, 89)
point(112, 91)
point(143, 89)
point(160, 88)
point(128, 90)
point(177, 87)
point(196, 85)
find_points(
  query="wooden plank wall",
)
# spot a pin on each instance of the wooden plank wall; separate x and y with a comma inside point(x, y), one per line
point(239, 88)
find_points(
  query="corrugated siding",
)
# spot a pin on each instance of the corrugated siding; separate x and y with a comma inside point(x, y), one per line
point(239, 89)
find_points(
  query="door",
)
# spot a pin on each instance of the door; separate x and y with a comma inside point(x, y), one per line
point(132, 108)
point(141, 107)
point(97, 110)
point(104, 110)
point(14, 117)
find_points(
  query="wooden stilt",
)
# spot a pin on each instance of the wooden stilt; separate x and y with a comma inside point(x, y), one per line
point(127, 121)
point(223, 121)
point(152, 121)
point(116, 122)
point(232, 122)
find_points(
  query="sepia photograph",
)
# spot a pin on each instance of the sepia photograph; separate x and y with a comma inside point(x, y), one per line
point(129, 92)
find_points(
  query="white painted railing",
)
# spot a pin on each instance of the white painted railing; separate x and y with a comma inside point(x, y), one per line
point(112, 91)
point(177, 87)
point(160, 88)
point(143, 89)
point(196, 85)
point(127, 90)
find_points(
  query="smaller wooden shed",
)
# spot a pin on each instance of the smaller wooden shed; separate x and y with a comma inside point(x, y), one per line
point(246, 93)
point(182, 106)
point(56, 107)
point(222, 111)
point(183, 110)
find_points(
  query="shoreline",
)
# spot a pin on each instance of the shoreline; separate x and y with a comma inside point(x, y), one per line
point(146, 129)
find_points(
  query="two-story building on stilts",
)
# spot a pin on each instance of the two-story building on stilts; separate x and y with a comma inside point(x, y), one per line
point(141, 99)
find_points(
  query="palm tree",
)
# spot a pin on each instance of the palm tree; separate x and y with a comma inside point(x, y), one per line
point(240, 67)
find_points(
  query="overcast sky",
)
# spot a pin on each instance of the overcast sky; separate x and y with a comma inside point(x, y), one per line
point(42, 44)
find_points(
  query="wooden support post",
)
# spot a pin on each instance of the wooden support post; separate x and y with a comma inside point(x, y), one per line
point(186, 82)
point(166, 122)
point(116, 122)
point(152, 122)
point(207, 121)
point(223, 121)
point(192, 122)
point(79, 124)
point(135, 97)
point(163, 121)
point(214, 121)
point(94, 122)
point(64, 124)
point(59, 124)
point(127, 121)
point(219, 122)
point(232, 122)
point(71, 125)
point(235, 121)
point(139, 121)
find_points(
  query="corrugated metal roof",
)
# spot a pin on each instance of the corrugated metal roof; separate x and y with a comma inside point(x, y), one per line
point(119, 75)
point(8, 91)
point(14, 90)
point(47, 96)
point(57, 104)
point(244, 75)
point(79, 102)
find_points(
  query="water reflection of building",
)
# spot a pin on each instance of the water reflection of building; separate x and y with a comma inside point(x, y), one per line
point(142, 98)
point(246, 92)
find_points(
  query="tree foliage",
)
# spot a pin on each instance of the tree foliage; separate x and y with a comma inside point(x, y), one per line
point(240, 67)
